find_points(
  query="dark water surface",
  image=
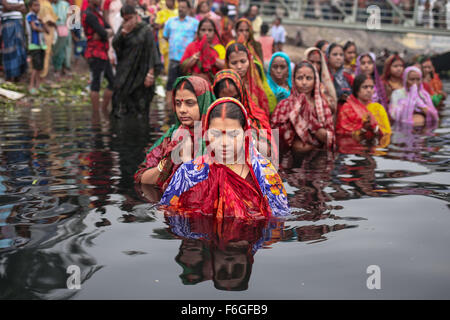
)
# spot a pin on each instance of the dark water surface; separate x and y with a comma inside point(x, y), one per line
point(67, 198)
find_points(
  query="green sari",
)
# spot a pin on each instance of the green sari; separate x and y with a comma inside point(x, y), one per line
point(165, 145)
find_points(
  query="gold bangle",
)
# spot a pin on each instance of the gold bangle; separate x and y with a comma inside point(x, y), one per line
point(160, 167)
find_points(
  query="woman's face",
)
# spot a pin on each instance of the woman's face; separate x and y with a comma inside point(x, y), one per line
point(279, 70)
point(304, 80)
point(427, 67)
point(314, 58)
point(226, 137)
point(366, 91)
point(397, 69)
point(350, 54)
point(413, 79)
point(244, 30)
point(238, 61)
point(186, 107)
point(366, 65)
point(229, 90)
point(208, 29)
point(204, 7)
point(336, 59)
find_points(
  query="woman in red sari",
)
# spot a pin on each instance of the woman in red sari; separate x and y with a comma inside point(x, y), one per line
point(432, 83)
point(245, 35)
point(192, 97)
point(252, 73)
point(204, 56)
point(354, 119)
point(232, 179)
point(304, 119)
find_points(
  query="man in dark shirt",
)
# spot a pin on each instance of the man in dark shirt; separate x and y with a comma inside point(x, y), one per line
point(97, 32)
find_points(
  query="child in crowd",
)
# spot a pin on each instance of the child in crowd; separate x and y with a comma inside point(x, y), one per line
point(36, 44)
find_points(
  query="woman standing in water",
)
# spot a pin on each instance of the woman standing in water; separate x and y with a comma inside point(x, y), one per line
point(251, 72)
point(191, 99)
point(279, 76)
point(432, 83)
point(366, 64)
point(350, 58)
point(228, 83)
point(412, 104)
point(304, 119)
point(342, 80)
point(205, 56)
point(245, 35)
point(232, 179)
point(392, 74)
point(355, 119)
point(317, 59)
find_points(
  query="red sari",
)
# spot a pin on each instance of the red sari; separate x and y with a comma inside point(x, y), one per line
point(205, 66)
point(351, 117)
point(212, 189)
point(296, 117)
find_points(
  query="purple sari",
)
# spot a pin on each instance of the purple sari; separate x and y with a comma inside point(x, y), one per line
point(405, 102)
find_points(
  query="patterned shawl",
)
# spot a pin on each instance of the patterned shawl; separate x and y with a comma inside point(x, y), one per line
point(328, 87)
point(210, 188)
point(295, 116)
point(164, 146)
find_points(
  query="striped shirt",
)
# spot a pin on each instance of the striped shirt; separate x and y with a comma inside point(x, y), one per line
point(12, 14)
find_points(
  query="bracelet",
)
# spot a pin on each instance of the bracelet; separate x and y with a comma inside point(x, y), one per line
point(160, 167)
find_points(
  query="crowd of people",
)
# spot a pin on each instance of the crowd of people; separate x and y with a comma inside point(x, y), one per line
point(226, 76)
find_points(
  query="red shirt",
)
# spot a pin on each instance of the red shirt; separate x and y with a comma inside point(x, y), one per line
point(93, 23)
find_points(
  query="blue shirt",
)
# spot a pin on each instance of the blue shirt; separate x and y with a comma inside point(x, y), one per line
point(35, 38)
point(180, 33)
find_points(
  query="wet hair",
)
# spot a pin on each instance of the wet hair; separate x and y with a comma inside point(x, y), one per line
point(126, 10)
point(232, 111)
point(222, 84)
point(319, 44)
point(357, 83)
point(187, 2)
point(202, 22)
point(235, 47)
point(349, 44)
point(264, 29)
point(185, 85)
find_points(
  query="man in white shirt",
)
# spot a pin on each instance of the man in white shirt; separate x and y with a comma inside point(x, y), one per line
point(279, 34)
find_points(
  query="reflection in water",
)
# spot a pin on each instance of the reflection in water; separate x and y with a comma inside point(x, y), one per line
point(223, 250)
point(66, 176)
point(217, 250)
